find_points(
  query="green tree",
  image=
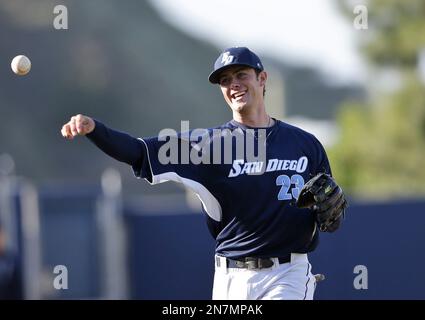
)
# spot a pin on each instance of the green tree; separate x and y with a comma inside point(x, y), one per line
point(381, 151)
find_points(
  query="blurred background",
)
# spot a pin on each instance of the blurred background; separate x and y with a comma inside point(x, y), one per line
point(350, 72)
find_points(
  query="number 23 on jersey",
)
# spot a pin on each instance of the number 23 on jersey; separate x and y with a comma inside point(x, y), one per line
point(290, 186)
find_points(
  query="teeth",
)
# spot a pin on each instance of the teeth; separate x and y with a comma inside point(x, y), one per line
point(235, 96)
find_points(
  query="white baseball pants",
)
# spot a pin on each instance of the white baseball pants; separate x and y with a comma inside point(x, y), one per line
point(286, 281)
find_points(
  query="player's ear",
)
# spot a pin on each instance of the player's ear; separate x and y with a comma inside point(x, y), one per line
point(262, 77)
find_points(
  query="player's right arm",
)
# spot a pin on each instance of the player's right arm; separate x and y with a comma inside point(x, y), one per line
point(119, 145)
point(143, 155)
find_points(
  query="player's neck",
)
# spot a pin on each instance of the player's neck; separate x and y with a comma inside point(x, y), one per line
point(258, 119)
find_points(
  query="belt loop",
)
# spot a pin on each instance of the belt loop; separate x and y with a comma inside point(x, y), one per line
point(275, 263)
point(217, 261)
point(221, 264)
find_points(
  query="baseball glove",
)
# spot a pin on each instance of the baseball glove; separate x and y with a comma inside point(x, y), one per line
point(326, 198)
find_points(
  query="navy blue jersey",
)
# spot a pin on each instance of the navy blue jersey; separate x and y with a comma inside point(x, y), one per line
point(249, 205)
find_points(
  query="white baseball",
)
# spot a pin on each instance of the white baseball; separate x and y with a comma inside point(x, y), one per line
point(21, 65)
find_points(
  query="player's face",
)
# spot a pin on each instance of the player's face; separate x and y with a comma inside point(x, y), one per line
point(241, 88)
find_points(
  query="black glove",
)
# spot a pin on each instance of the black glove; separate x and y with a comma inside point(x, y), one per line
point(326, 198)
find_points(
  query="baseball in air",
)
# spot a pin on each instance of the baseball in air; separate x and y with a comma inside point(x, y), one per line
point(21, 65)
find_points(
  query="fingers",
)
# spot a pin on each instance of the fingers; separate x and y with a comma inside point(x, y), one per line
point(73, 126)
point(66, 131)
point(78, 125)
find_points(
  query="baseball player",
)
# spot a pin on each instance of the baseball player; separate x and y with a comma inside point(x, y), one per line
point(253, 204)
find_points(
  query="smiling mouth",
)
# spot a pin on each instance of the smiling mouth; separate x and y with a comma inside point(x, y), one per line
point(238, 95)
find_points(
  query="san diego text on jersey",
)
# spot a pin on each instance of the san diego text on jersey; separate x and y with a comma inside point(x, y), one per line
point(257, 167)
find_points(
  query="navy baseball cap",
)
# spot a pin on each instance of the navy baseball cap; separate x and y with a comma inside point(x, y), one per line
point(235, 56)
